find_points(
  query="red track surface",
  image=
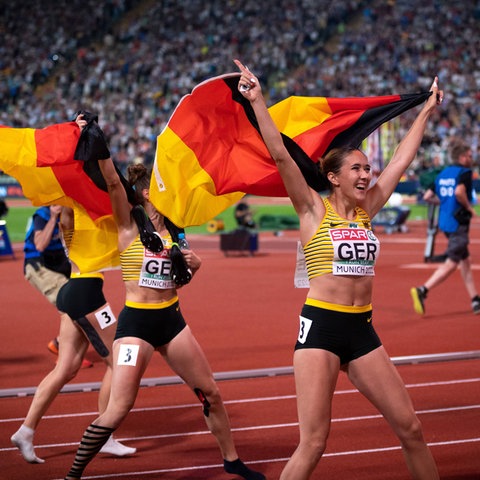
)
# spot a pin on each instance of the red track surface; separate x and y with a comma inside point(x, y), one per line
point(244, 312)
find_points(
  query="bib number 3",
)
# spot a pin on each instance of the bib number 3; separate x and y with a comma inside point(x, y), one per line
point(305, 324)
point(105, 317)
point(128, 354)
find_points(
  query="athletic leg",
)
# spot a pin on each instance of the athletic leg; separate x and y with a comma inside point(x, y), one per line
point(131, 357)
point(73, 346)
point(106, 336)
point(316, 372)
point(187, 359)
point(441, 273)
point(376, 377)
point(466, 271)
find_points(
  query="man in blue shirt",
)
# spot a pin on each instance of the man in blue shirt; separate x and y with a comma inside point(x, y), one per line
point(452, 190)
point(46, 265)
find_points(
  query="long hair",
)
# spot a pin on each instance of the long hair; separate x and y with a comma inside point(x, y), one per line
point(139, 178)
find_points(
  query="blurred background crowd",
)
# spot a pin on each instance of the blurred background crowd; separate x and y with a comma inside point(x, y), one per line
point(132, 61)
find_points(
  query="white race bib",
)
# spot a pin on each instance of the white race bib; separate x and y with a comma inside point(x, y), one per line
point(105, 317)
point(156, 270)
point(301, 276)
point(354, 251)
point(305, 325)
point(128, 354)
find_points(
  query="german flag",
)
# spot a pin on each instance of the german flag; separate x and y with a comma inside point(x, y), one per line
point(94, 245)
point(211, 152)
point(42, 161)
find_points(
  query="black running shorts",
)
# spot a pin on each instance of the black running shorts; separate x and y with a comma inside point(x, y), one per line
point(156, 326)
point(81, 296)
point(347, 335)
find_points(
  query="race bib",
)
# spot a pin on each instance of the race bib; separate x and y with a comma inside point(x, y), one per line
point(305, 325)
point(156, 270)
point(301, 275)
point(128, 355)
point(355, 251)
point(105, 317)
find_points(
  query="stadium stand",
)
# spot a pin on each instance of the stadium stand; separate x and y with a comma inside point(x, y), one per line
point(132, 61)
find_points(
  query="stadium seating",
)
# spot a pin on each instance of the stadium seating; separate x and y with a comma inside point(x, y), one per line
point(133, 61)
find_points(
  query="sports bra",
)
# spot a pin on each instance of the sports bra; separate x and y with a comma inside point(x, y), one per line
point(150, 269)
point(341, 246)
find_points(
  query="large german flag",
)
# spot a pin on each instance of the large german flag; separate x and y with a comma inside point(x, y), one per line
point(42, 160)
point(211, 152)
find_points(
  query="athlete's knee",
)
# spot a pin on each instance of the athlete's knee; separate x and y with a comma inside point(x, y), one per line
point(119, 407)
point(61, 376)
point(311, 449)
point(69, 372)
point(114, 414)
point(410, 431)
point(210, 398)
point(314, 441)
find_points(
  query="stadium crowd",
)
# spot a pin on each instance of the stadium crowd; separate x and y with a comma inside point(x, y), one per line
point(132, 62)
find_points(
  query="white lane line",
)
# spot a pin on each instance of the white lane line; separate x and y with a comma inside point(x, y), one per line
point(252, 428)
point(274, 460)
point(245, 400)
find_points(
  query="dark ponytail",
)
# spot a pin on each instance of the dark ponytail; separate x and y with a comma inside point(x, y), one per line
point(148, 235)
point(139, 178)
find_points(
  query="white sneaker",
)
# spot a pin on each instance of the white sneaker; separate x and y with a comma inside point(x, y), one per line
point(114, 447)
point(23, 440)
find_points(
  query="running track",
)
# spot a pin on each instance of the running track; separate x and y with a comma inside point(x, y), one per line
point(243, 310)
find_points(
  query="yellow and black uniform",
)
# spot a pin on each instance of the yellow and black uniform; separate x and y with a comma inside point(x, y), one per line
point(342, 247)
point(156, 323)
point(83, 295)
point(347, 248)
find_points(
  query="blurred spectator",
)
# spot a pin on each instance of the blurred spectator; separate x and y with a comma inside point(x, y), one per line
point(3, 208)
point(244, 214)
point(133, 61)
point(452, 190)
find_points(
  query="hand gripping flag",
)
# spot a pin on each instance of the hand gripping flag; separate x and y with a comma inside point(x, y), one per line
point(42, 161)
point(211, 152)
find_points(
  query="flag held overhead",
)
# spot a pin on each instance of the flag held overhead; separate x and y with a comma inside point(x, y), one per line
point(42, 160)
point(211, 152)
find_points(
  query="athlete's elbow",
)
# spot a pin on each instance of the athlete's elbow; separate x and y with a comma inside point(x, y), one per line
point(280, 157)
point(113, 183)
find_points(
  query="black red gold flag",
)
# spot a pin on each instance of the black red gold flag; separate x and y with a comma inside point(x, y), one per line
point(42, 160)
point(211, 153)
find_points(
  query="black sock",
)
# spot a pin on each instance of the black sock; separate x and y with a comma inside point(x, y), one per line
point(237, 467)
point(424, 290)
point(94, 438)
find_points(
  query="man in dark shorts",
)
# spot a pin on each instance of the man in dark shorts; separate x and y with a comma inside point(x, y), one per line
point(452, 190)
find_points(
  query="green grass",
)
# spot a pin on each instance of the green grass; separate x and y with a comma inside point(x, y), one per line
point(18, 216)
point(228, 218)
point(417, 212)
point(17, 219)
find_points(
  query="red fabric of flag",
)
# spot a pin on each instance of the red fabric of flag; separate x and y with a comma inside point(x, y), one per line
point(211, 152)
